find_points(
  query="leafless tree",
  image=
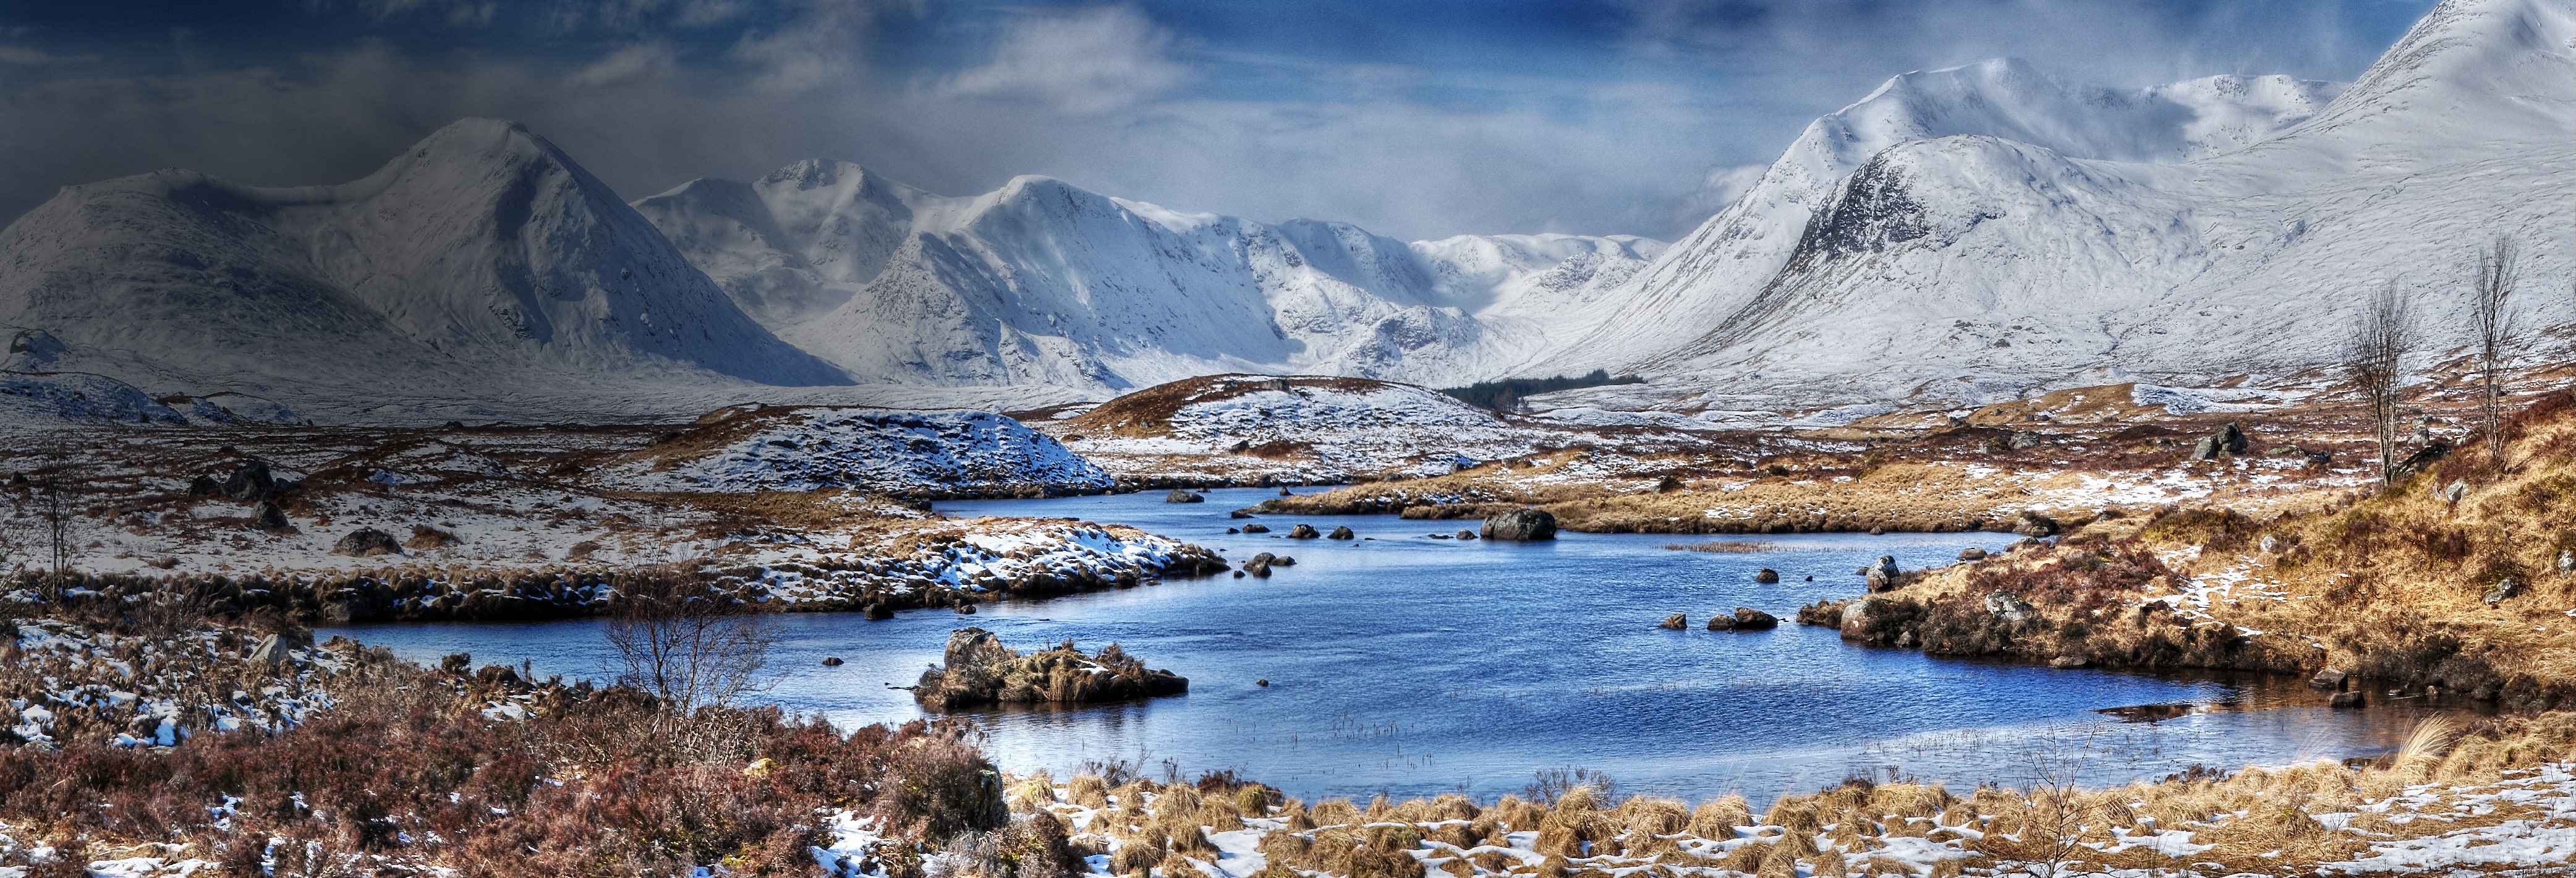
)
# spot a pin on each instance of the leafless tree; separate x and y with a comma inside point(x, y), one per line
point(2492, 317)
point(2379, 343)
point(693, 649)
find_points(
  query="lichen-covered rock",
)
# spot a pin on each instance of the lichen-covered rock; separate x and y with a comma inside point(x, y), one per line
point(980, 670)
point(366, 542)
point(1521, 525)
point(1184, 495)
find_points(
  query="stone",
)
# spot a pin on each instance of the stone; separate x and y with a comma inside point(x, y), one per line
point(266, 516)
point(366, 542)
point(1675, 622)
point(2022, 439)
point(1259, 566)
point(966, 609)
point(1265, 681)
point(2328, 678)
point(1766, 576)
point(2032, 524)
point(1341, 533)
point(1882, 575)
point(2065, 661)
point(2567, 562)
point(1972, 553)
point(1234, 530)
point(2457, 490)
point(831, 661)
point(2271, 544)
point(1303, 532)
point(1239, 513)
point(878, 612)
point(2008, 607)
point(1877, 531)
point(1721, 622)
point(1256, 529)
point(1521, 525)
point(1284, 492)
point(1184, 495)
point(250, 482)
point(1283, 561)
point(1466, 534)
point(270, 651)
point(2353, 699)
point(1438, 536)
point(1750, 619)
point(2502, 589)
point(205, 486)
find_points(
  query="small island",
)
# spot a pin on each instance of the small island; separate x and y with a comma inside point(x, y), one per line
point(980, 670)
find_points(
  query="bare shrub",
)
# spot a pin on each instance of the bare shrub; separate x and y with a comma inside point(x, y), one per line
point(695, 651)
point(2373, 358)
point(2493, 327)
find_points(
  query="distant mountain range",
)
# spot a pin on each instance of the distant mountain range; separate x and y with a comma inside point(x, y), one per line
point(1957, 236)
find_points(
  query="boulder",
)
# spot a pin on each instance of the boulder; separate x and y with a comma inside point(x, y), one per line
point(205, 486)
point(2064, 662)
point(1521, 525)
point(1259, 566)
point(2033, 524)
point(1750, 619)
point(1341, 533)
point(2353, 699)
point(1721, 622)
point(878, 611)
point(1256, 529)
point(1882, 575)
point(270, 651)
point(2503, 589)
point(1239, 513)
point(965, 608)
point(266, 516)
point(1184, 495)
point(250, 482)
point(2459, 488)
point(2328, 678)
point(366, 542)
point(2022, 439)
point(2228, 440)
point(1766, 576)
point(1972, 553)
point(1855, 619)
point(1674, 622)
point(831, 661)
point(1284, 492)
point(2567, 562)
point(1283, 561)
point(1466, 534)
point(2008, 607)
point(1303, 532)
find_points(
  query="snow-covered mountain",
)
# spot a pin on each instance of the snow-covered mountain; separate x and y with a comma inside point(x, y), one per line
point(481, 263)
point(1041, 282)
point(1975, 233)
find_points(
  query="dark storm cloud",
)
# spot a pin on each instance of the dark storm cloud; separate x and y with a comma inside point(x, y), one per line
point(1418, 120)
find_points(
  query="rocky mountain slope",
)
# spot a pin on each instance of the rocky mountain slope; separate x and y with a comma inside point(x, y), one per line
point(481, 263)
point(1042, 282)
point(1972, 234)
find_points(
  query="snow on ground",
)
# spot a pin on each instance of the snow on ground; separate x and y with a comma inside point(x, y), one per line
point(803, 449)
point(159, 682)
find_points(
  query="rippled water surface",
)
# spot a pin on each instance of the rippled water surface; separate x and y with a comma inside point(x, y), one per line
point(1415, 666)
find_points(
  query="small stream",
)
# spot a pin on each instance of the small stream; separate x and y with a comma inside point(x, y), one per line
point(1414, 666)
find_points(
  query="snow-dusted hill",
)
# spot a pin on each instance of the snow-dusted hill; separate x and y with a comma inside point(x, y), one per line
point(808, 448)
point(481, 263)
point(1041, 282)
point(1982, 238)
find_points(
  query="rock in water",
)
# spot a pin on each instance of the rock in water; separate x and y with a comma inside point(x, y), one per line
point(1184, 495)
point(2065, 661)
point(2328, 678)
point(1766, 576)
point(1674, 622)
point(1721, 622)
point(2033, 524)
point(2348, 700)
point(1882, 576)
point(1256, 529)
point(1341, 533)
point(1303, 532)
point(366, 542)
point(1972, 553)
point(1750, 619)
point(1521, 525)
point(980, 670)
point(879, 612)
point(831, 661)
point(1466, 534)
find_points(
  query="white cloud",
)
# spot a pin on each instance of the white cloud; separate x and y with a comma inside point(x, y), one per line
point(630, 63)
point(33, 57)
point(1082, 63)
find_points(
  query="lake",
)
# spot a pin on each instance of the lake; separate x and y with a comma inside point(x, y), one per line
point(1414, 666)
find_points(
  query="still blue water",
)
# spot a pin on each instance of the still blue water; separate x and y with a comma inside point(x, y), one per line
point(1414, 666)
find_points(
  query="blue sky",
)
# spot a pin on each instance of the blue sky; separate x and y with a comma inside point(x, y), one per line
point(1413, 119)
